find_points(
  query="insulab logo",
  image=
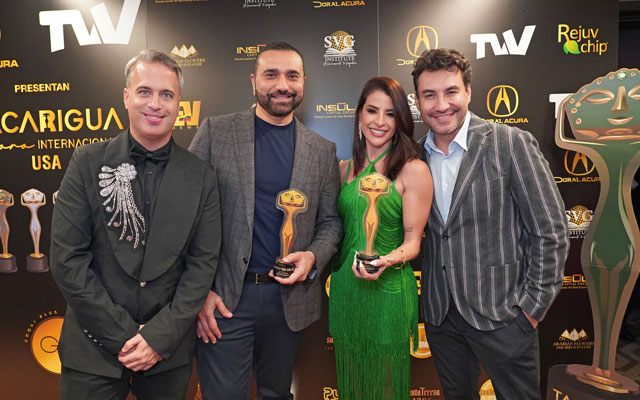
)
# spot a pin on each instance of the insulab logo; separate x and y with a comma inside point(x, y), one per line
point(510, 45)
point(105, 33)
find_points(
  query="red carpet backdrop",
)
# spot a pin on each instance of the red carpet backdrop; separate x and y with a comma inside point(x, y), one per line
point(61, 82)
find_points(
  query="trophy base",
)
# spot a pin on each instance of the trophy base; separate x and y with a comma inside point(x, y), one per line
point(582, 382)
point(365, 259)
point(282, 269)
point(8, 263)
point(37, 263)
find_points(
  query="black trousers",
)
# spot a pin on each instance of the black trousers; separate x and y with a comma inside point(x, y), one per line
point(509, 355)
point(169, 385)
point(258, 337)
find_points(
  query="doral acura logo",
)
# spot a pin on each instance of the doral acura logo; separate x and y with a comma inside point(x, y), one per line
point(509, 47)
point(502, 101)
point(421, 38)
point(577, 164)
point(121, 34)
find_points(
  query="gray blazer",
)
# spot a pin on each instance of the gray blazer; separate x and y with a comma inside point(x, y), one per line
point(227, 142)
point(505, 242)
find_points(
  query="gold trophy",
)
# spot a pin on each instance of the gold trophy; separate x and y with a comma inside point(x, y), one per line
point(372, 186)
point(34, 199)
point(7, 260)
point(604, 119)
point(291, 202)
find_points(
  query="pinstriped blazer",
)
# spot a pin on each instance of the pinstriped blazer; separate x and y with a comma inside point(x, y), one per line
point(505, 242)
point(227, 142)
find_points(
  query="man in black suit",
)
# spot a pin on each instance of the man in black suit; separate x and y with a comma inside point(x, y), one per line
point(135, 242)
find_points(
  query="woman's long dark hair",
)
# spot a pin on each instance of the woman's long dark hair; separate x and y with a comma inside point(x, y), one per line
point(403, 146)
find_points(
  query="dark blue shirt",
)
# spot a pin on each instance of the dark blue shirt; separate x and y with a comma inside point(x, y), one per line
point(273, 162)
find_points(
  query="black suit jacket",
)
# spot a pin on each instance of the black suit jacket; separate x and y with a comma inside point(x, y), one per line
point(110, 287)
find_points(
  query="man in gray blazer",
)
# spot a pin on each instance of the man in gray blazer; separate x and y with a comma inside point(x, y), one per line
point(496, 242)
point(252, 318)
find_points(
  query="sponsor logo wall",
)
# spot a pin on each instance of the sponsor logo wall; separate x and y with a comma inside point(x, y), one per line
point(61, 80)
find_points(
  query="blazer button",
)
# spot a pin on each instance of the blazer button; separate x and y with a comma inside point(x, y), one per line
point(244, 260)
point(445, 237)
point(143, 284)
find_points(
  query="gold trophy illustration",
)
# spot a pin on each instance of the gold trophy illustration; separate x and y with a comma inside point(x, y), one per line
point(7, 260)
point(34, 199)
point(292, 202)
point(605, 119)
point(372, 186)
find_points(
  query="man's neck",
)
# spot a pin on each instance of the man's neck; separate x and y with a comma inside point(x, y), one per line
point(272, 119)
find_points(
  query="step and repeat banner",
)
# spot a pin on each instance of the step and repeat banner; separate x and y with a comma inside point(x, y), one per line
point(61, 85)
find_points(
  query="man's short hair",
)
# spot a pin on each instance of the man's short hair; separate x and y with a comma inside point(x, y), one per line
point(152, 56)
point(283, 46)
point(437, 59)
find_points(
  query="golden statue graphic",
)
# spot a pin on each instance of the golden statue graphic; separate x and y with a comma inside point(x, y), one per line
point(605, 119)
point(292, 202)
point(7, 260)
point(33, 199)
point(372, 186)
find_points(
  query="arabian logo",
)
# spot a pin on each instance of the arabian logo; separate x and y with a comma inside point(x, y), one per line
point(340, 50)
point(187, 57)
point(579, 219)
point(106, 32)
point(43, 338)
point(487, 392)
point(510, 46)
point(502, 101)
point(419, 39)
point(573, 340)
point(581, 40)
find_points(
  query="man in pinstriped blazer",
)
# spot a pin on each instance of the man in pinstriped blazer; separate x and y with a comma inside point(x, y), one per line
point(257, 154)
point(496, 242)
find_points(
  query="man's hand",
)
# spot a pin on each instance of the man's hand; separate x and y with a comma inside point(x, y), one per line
point(207, 324)
point(533, 321)
point(137, 355)
point(303, 260)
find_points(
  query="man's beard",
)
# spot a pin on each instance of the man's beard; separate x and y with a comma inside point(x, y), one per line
point(278, 109)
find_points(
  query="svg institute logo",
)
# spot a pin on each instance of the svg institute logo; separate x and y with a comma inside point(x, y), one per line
point(339, 49)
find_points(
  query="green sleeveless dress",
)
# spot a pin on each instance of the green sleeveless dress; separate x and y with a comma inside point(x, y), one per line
point(371, 321)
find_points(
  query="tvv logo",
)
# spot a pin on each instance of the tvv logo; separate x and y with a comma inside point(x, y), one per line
point(510, 45)
point(121, 34)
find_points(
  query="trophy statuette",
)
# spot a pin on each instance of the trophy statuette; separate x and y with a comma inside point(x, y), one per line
point(7, 260)
point(372, 186)
point(604, 119)
point(34, 199)
point(291, 202)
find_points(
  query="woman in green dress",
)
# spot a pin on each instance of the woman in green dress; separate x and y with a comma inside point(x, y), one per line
point(373, 315)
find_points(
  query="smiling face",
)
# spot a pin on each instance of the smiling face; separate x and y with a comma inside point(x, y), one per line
point(608, 108)
point(443, 101)
point(377, 120)
point(152, 100)
point(278, 85)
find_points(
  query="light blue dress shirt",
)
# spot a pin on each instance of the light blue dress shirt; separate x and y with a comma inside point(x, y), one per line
point(444, 169)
